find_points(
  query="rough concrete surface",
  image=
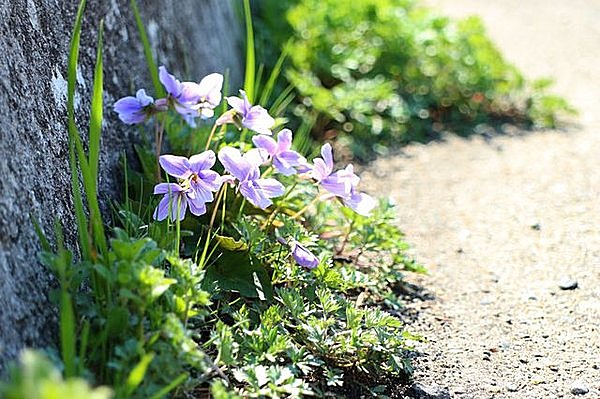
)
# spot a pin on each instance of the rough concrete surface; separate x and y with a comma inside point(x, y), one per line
point(193, 38)
point(503, 223)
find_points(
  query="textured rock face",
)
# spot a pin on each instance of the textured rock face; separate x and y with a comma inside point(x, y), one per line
point(192, 37)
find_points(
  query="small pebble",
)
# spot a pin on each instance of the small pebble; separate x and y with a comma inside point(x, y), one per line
point(579, 388)
point(537, 380)
point(512, 388)
point(459, 390)
point(567, 283)
point(422, 391)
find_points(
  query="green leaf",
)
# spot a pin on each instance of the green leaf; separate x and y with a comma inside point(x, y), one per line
point(270, 84)
point(250, 74)
point(164, 391)
point(117, 321)
point(239, 272)
point(89, 169)
point(159, 288)
point(136, 375)
point(95, 128)
point(82, 224)
point(231, 244)
point(41, 236)
point(67, 333)
point(158, 88)
point(103, 271)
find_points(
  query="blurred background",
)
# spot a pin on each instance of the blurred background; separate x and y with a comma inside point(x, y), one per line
point(380, 73)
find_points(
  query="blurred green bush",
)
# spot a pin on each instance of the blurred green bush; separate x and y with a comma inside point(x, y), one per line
point(392, 71)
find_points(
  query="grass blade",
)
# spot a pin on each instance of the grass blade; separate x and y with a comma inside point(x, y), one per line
point(96, 109)
point(67, 332)
point(164, 391)
point(82, 225)
point(158, 88)
point(250, 56)
point(282, 101)
point(258, 79)
point(66, 315)
point(85, 333)
point(137, 374)
point(270, 84)
point(41, 236)
point(90, 173)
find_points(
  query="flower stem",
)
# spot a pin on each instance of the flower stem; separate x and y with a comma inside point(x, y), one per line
point(210, 226)
point(267, 172)
point(241, 210)
point(271, 218)
point(306, 207)
point(243, 135)
point(210, 136)
point(346, 236)
point(158, 136)
point(178, 227)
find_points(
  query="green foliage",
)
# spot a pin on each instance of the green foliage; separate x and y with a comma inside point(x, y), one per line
point(36, 378)
point(389, 71)
point(217, 302)
point(138, 342)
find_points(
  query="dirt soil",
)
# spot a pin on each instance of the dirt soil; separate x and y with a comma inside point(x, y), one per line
point(502, 222)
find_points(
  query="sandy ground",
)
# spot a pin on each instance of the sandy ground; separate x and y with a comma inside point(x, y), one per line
point(499, 223)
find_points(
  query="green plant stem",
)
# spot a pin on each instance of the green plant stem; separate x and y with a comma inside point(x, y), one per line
point(210, 226)
point(241, 210)
point(346, 236)
point(158, 135)
point(210, 136)
point(163, 392)
point(306, 207)
point(243, 135)
point(267, 172)
point(178, 227)
point(271, 218)
point(187, 308)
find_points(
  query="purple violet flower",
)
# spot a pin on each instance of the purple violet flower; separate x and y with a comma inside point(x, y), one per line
point(339, 183)
point(175, 195)
point(284, 159)
point(195, 187)
point(192, 99)
point(300, 253)
point(253, 117)
point(303, 256)
point(245, 168)
point(134, 110)
point(194, 172)
point(342, 183)
point(361, 203)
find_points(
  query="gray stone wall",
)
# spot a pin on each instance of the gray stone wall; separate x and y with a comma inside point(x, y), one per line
point(191, 37)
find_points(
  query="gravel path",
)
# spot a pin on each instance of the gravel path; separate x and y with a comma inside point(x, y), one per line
point(501, 222)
